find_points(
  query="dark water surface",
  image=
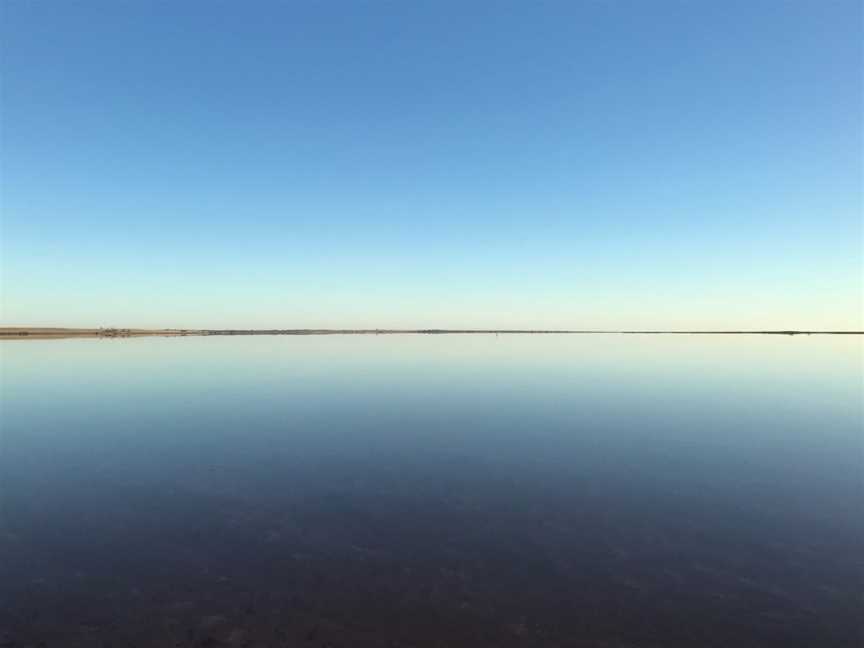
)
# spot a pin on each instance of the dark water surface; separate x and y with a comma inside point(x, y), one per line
point(420, 491)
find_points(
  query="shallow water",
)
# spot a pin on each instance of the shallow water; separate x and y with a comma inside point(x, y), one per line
point(414, 491)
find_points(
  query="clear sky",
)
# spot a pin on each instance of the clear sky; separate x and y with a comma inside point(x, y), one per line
point(434, 164)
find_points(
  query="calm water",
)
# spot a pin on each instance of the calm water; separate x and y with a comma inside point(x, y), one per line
point(414, 491)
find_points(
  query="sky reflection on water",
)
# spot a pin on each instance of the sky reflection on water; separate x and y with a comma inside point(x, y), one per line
point(433, 490)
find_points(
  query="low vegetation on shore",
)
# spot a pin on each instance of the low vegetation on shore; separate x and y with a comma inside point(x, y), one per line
point(11, 333)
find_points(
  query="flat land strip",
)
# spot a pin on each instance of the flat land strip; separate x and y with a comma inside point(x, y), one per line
point(23, 332)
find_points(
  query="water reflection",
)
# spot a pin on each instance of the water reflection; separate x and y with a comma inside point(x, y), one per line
point(428, 491)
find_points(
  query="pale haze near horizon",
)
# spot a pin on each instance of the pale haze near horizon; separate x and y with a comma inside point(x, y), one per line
point(557, 165)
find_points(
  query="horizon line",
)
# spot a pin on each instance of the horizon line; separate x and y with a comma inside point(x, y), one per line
point(12, 332)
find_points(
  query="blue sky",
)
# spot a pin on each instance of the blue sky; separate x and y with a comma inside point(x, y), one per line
point(551, 164)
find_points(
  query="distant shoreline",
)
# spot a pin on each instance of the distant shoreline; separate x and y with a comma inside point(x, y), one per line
point(18, 333)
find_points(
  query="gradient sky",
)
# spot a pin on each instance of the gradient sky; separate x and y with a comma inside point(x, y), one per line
point(551, 164)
